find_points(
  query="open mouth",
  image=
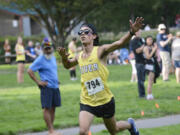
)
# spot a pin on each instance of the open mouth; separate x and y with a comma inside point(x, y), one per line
point(83, 38)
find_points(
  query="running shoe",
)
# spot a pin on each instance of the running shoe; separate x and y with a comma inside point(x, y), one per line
point(133, 130)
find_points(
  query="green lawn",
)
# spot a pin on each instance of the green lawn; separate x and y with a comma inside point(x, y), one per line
point(20, 109)
point(166, 130)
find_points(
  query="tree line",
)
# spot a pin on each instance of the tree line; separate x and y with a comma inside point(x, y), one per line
point(59, 17)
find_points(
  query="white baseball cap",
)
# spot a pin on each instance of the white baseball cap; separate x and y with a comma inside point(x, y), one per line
point(178, 34)
point(161, 26)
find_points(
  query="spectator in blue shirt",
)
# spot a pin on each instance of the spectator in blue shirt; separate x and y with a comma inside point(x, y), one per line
point(163, 41)
point(124, 55)
point(46, 65)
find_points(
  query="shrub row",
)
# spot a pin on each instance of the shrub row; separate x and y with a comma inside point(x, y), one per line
point(105, 38)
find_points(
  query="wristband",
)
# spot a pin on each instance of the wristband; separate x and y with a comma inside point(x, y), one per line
point(131, 33)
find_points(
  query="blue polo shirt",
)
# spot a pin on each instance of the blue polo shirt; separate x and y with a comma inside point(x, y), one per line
point(162, 37)
point(47, 70)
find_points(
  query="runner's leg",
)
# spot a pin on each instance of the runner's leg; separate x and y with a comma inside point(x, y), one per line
point(85, 120)
point(114, 127)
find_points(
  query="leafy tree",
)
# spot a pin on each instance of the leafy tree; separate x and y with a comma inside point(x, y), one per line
point(59, 17)
point(115, 14)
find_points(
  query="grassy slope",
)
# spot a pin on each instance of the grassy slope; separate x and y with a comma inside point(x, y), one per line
point(20, 108)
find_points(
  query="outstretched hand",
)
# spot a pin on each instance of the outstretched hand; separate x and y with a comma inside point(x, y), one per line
point(137, 24)
point(62, 52)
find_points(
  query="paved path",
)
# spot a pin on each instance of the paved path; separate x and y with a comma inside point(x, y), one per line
point(145, 123)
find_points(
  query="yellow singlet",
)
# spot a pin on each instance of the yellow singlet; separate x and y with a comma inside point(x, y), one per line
point(20, 57)
point(94, 77)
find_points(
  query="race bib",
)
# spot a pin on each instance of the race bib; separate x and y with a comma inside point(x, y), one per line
point(93, 86)
point(149, 67)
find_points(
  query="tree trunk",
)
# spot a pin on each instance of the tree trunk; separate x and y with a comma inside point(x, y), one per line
point(60, 41)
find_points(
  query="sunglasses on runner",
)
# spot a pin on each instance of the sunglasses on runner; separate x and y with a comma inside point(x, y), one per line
point(86, 32)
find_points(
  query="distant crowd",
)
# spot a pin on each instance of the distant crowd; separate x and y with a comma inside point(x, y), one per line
point(151, 57)
point(122, 56)
point(31, 51)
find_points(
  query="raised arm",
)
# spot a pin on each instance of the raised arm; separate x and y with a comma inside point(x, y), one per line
point(68, 63)
point(149, 54)
point(164, 43)
point(140, 49)
point(134, 27)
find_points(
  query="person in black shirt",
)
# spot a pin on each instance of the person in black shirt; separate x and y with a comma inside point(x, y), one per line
point(137, 45)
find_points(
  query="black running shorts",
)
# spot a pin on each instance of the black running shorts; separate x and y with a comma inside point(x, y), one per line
point(105, 111)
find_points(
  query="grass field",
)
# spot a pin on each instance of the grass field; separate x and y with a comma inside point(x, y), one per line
point(166, 130)
point(20, 109)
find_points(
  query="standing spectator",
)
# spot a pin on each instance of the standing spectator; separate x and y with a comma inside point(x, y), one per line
point(38, 49)
point(176, 55)
point(163, 41)
point(7, 49)
point(124, 55)
point(20, 59)
point(30, 52)
point(151, 63)
point(137, 47)
point(133, 63)
point(49, 84)
point(113, 57)
point(72, 53)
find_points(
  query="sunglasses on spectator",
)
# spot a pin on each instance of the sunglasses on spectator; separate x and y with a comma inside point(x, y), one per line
point(86, 32)
point(47, 48)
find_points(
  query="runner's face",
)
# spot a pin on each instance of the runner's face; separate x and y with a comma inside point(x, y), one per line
point(86, 35)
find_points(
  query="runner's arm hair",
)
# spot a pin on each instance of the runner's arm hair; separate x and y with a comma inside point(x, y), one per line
point(68, 63)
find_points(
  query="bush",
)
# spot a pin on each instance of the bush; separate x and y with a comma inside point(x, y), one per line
point(105, 38)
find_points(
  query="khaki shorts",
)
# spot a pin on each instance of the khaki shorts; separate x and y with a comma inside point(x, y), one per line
point(166, 60)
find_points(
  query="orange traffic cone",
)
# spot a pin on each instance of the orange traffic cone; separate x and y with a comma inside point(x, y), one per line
point(157, 106)
point(142, 113)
